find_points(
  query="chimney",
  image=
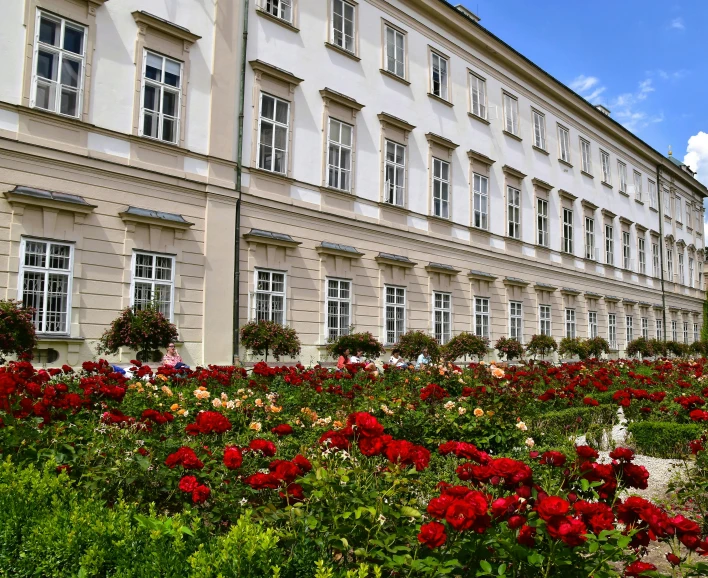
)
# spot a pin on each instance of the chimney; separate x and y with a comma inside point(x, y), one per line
point(467, 12)
point(602, 109)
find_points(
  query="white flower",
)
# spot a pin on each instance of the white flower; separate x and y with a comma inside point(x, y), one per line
point(449, 405)
point(224, 397)
point(461, 410)
point(243, 501)
point(529, 442)
point(230, 405)
point(522, 426)
point(216, 402)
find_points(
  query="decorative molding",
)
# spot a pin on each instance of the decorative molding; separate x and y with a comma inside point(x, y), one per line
point(145, 20)
point(545, 287)
point(570, 291)
point(609, 214)
point(395, 122)
point(513, 172)
point(395, 260)
point(481, 276)
point(270, 238)
point(275, 72)
point(339, 98)
point(567, 195)
point(542, 184)
point(626, 221)
point(515, 281)
point(440, 140)
point(48, 200)
point(441, 268)
point(588, 205)
point(512, 135)
point(480, 158)
point(327, 248)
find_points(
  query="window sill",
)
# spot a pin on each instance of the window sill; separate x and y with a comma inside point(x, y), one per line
point(171, 145)
point(338, 192)
point(624, 194)
point(396, 208)
point(342, 51)
point(280, 21)
point(478, 229)
point(445, 220)
point(512, 135)
point(587, 174)
point(50, 337)
point(654, 209)
point(566, 163)
point(440, 99)
point(638, 201)
point(608, 185)
point(272, 175)
point(394, 76)
point(479, 118)
point(540, 150)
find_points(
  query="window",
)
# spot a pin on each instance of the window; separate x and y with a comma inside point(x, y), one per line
point(690, 272)
point(681, 278)
point(343, 25)
point(511, 113)
point(612, 330)
point(638, 186)
point(542, 222)
point(626, 250)
point(338, 308)
point(696, 334)
point(670, 262)
point(592, 324)
point(585, 158)
point(395, 52)
point(59, 53)
point(478, 96)
point(685, 332)
point(570, 323)
point(441, 188)
point(395, 313)
point(564, 143)
point(567, 231)
point(609, 245)
point(652, 194)
point(45, 283)
point(438, 71)
point(153, 282)
point(645, 327)
point(674, 331)
point(269, 303)
point(395, 169)
point(642, 256)
point(481, 317)
point(589, 238)
point(481, 201)
point(606, 173)
point(629, 322)
point(339, 162)
point(655, 259)
point(677, 214)
point(515, 317)
point(667, 203)
point(660, 329)
point(442, 317)
point(544, 319)
point(539, 130)
point(622, 172)
point(161, 99)
point(688, 215)
point(513, 208)
point(282, 9)
point(273, 134)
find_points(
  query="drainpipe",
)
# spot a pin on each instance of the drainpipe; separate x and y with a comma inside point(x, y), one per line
point(662, 247)
point(239, 159)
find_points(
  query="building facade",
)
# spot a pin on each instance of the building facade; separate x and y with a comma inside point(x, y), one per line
point(401, 168)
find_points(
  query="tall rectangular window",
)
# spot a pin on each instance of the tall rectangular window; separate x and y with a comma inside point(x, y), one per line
point(339, 163)
point(511, 113)
point(45, 283)
point(442, 317)
point(480, 192)
point(282, 9)
point(681, 278)
point(678, 214)
point(660, 329)
point(395, 168)
point(438, 75)
point(622, 173)
point(441, 188)
point(638, 195)
point(655, 259)
point(539, 129)
point(273, 124)
point(629, 326)
point(269, 298)
point(515, 320)
point(645, 327)
point(670, 263)
point(59, 57)
point(696, 333)
point(339, 305)
point(592, 324)
point(609, 245)
point(162, 97)
point(153, 282)
point(690, 272)
point(395, 313)
point(570, 323)
point(513, 210)
point(651, 187)
point(544, 319)
point(606, 172)
point(542, 222)
point(343, 22)
point(563, 144)
point(674, 331)
point(685, 332)
point(641, 253)
point(589, 238)
point(481, 316)
point(688, 215)
point(626, 250)
point(585, 156)
point(395, 52)
point(612, 330)
point(667, 203)
point(478, 96)
point(567, 231)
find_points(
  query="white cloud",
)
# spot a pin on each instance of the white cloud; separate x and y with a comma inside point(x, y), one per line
point(670, 75)
point(583, 83)
point(677, 24)
point(696, 156)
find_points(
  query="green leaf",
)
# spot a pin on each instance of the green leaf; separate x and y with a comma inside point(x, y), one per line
point(410, 512)
point(486, 566)
point(501, 570)
point(585, 484)
point(593, 547)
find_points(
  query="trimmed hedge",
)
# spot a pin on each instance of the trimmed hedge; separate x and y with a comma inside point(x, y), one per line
point(558, 425)
point(663, 439)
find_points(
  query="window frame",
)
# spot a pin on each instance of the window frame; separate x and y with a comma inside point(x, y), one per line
point(395, 165)
point(592, 324)
point(445, 184)
point(685, 332)
point(404, 48)
point(612, 330)
point(482, 314)
point(655, 259)
point(659, 328)
point(626, 251)
point(277, 4)
point(543, 237)
point(570, 323)
point(605, 164)
point(153, 280)
point(651, 186)
point(622, 176)
point(442, 310)
point(481, 107)
point(645, 327)
point(286, 151)
point(271, 293)
point(339, 331)
point(563, 143)
point(590, 238)
point(609, 244)
point(629, 328)
point(539, 129)
point(160, 116)
point(638, 192)
point(444, 81)
point(567, 230)
point(516, 320)
point(513, 212)
point(513, 109)
point(333, 31)
point(339, 146)
point(690, 271)
point(681, 262)
point(585, 156)
point(544, 317)
point(483, 198)
point(396, 306)
point(641, 256)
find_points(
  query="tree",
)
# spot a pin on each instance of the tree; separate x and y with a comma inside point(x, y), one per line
point(144, 330)
point(261, 337)
point(412, 344)
point(509, 347)
point(465, 344)
point(17, 334)
point(596, 346)
point(354, 342)
point(639, 346)
point(573, 347)
point(541, 345)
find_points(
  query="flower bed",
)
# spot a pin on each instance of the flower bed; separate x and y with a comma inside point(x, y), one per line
point(316, 472)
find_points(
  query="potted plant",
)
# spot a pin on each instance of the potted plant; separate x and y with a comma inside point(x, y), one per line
point(144, 330)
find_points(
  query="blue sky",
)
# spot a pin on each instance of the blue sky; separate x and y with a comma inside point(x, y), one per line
point(645, 60)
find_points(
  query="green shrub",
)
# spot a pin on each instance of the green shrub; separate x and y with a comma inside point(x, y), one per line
point(658, 347)
point(509, 348)
point(354, 342)
point(699, 348)
point(413, 342)
point(465, 344)
point(596, 346)
point(639, 346)
point(558, 425)
point(261, 337)
point(541, 345)
point(143, 330)
point(677, 348)
point(663, 439)
point(572, 347)
point(17, 334)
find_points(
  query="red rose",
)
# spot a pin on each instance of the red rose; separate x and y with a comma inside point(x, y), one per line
point(233, 458)
point(553, 458)
point(526, 536)
point(200, 494)
point(336, 440)
point(438, 506)
point(673, 559)
point(366, 424)
point(284, 470)
point(282, 430)
point(188, 484)
point(596, 515)
point(432, 535)
point(586, 453)
point(209, 422)
point(303, 463)
point(262, 481)
point(569, 530)
point(638, 568)
point(267, 448)
point(516, 522)
point(460, 515)
point(622, 454)
point(551, 507)
point(184, 457)
point(293, 493)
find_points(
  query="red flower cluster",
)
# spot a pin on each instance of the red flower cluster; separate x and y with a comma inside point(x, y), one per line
point(209, 422)
point(433, 392)
point(282, 430)
point(553, 510)
point(190, 485)
point(233, 458)
point(267, 448)
point(184, 457)
point(462, 508)
point(156, 417)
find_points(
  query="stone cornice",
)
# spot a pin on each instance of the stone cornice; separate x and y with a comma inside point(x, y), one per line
point(164, 26)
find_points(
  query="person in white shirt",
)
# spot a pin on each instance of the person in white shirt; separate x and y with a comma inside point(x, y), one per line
point(396, 360)
point(423, 359)
point(358, 358)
